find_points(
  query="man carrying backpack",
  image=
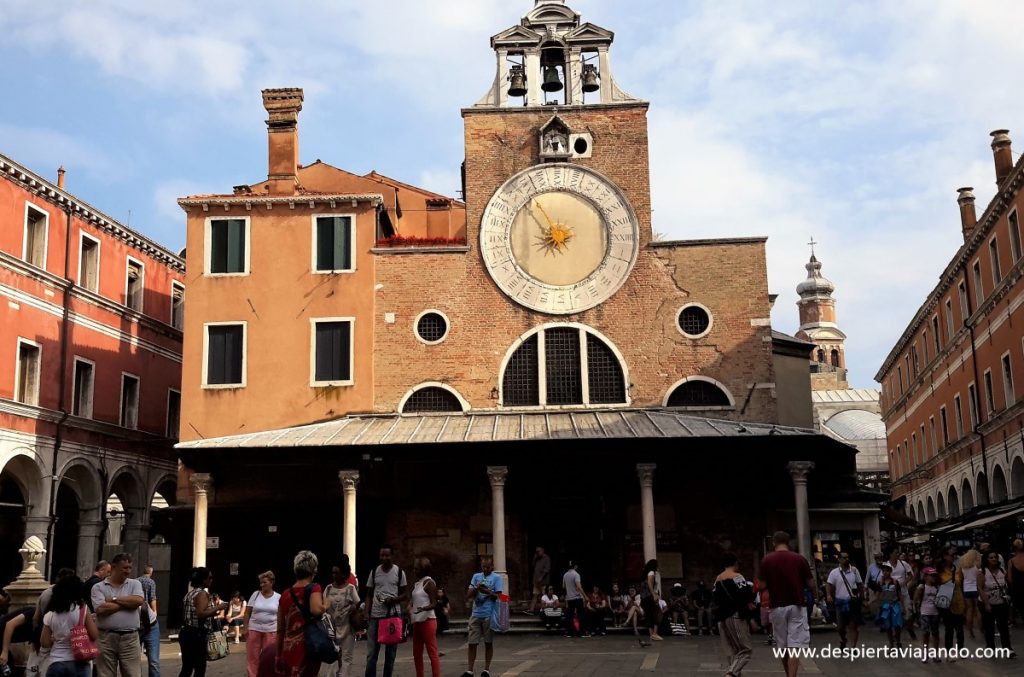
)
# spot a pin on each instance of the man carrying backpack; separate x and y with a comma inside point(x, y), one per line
point(388, 589)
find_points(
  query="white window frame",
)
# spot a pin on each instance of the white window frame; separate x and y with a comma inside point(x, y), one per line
point(129, 260)
point(179, 285)
point(1005, 361)
point(899, 373)
point(973, 405)
point(92, 387)
point(950, 331)
point(17, 371)
point(924, 444)
point(965, 310)
point(914, 457)
point(936, 334)
point(206, 355)
point(935, 436)
point(944, 422)
point(82, 237)
point(313, 321)
point(208, 249)
point(711, 321)
point(979, 287)
point(352, 243)
point(416, 327)
point(993, 254)
point(1015, 242)
point(167, 418)
point(138, 400)
point(46, 234)
point(958, 416)
point(924, 346)
point(990, 396)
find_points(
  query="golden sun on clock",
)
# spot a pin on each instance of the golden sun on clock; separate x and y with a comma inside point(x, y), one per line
point(558, 238)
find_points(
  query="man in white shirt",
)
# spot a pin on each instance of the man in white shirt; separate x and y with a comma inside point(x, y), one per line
point(845, 590)
point(117, 600)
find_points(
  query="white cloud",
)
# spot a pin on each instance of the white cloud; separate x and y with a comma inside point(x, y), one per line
point(44, 150)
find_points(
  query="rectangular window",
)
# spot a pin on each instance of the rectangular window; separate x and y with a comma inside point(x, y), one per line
point(924, 445)
point(913, 449)
point(949, 320)
point(332, 351)
point(958, 416)
point(177, 305)
point(979, 291)
point(225, 355)
point(935, 334)
point(173, 414)
point(993, 251)
point(36, 231)
point(134, 284)
point(89, 263)
point(129, 401)
point(226, 246)
point(935, 439)
point(1008, 381)
point(972, 403)
point(944, 422)
point(965, 312)
point(1015, 249)
point(913, 360)
point(990, 400)
point(81, 400)
point(899, 372)
point(924, 345)
point(26, 386)
point(334, 239)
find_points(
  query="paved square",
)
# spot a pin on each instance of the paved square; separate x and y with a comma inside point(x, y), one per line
point(620, 656)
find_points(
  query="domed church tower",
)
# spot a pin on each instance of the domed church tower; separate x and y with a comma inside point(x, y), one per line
point(818, 325)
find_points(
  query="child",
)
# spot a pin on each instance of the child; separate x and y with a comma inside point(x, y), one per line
point(890, 615)
point(924, 602)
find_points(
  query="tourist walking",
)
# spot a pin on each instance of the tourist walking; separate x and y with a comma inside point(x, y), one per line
point(117, 600)
point(952, 608)
point(995, 603)
point(484, 588)
point(388, 588)
point(924, 603)
point(575, 601)
point(197, 610)
point(903, 574)
point(151, 637)
point(300, 604)
point(236, 615)
point(970, 564)
point(650, 598)
point(844, 591)
point(260, 622)
point(1015, 577)
point(64, 611)
point(890, 611)
point(786, 575)
point(733, 596)
point(541, 576)
point(424, 618)
point(874, 575)
point(342, 600)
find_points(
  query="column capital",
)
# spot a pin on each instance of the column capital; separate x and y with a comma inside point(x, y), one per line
point(645, 471)
point(349, 479)
point(799, 470)
point(201, 482)
point(497, 474)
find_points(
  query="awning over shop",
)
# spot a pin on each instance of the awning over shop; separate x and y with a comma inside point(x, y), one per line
point(1012, 512)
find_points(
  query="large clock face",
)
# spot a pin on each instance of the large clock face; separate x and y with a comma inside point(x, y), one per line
point(559, 238)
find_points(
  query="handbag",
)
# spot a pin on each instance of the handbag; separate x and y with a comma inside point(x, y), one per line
point(82, 646)
point(217, 646)
point(317, 631)
point(501, 620)
point(390, 630)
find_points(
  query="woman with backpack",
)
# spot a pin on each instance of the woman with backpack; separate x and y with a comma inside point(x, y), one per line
point(300, 604)
point(995, 603)
point(65, 611)
point(950, 599)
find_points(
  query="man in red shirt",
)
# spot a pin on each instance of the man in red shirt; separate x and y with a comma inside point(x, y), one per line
point(786, 575)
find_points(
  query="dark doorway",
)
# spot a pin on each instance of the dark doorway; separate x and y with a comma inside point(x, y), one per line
point(65, 533)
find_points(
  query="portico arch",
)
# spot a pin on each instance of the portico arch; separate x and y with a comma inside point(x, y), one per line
point(1017, 477)
point(930, 510)
point(999, 488)
point(981, 489)
point(953, 502)
point(968, 495)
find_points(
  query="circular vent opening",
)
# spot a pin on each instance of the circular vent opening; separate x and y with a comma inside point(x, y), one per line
point(580, 146)
point(694, 321)
point(432, 327)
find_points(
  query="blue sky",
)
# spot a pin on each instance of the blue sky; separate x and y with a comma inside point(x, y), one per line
point(853, 122)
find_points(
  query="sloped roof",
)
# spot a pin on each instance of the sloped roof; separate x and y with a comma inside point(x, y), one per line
point(857, 424)
point(846, 395)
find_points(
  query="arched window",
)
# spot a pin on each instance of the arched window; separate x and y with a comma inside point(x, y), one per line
point(430, 400)
point(835, 357)
point(580, 368)
point(698, 393)
point(821, 355)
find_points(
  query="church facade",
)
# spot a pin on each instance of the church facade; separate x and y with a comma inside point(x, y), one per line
point(547, 374)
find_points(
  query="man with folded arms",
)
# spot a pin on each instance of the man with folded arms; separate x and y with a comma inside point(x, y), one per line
point(117, 600)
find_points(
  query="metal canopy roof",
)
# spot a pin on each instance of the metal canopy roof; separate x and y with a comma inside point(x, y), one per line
point(498, 426)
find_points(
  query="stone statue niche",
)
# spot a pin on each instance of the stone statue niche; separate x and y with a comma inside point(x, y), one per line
point(554, 140)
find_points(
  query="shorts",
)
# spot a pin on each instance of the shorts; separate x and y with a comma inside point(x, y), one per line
point(849, 613)
point(971, 595)
point(930, 624)
point(480, 629)
point(790, 628)
point(237, 623)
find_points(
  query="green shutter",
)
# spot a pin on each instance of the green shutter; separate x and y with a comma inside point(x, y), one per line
point(343, 242)
point(236, 246)
point(218, 247)
point(325, 244)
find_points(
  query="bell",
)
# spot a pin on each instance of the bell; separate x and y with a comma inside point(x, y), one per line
point(552, 83)
point(517, 82)
point(591, 80)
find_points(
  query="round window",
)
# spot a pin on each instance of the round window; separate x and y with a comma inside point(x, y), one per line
point(432, 327)
point(694, 321)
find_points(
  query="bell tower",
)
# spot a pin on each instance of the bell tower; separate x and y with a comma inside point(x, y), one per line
point(818, 325)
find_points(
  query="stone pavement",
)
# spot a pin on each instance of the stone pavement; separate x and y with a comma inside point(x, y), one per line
point(620, 656)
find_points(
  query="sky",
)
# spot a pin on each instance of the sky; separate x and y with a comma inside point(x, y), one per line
point(850, 122)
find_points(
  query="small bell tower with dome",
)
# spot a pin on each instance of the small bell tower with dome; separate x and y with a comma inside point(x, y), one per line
point(818, 325)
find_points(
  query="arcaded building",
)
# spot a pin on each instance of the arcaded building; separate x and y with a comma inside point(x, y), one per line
point(544, 373)
point(953, 385)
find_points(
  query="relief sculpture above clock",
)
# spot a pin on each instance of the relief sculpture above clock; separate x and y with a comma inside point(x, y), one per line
point(559, 238)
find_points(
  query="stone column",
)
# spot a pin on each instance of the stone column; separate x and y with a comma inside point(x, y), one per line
point(88, 546)
point(497, 474)
point(646, 473)
point(349, 482)
point(201, 485)
point(799, 470)
point(136, 541)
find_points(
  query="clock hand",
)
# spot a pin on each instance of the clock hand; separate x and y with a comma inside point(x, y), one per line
point(545, 213)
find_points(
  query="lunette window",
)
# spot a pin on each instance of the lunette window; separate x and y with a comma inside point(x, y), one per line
point(227, 246)
point(332, 352)
point(334, 244)
point(129, 401)
point(225, 346)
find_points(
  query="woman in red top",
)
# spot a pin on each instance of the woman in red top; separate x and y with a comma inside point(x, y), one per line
point(291, 623)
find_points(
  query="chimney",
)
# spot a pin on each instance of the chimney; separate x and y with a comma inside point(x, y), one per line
point(968, 215)
point(1003, 156)
point(60, 177)
point(283, 106)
